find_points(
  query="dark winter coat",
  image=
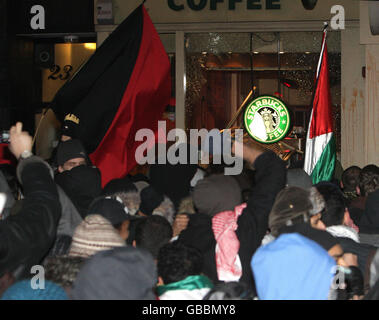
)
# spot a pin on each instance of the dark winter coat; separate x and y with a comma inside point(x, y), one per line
point(25, 238)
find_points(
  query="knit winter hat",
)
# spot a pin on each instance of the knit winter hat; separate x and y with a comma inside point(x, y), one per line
point(94, 234)
point(23, 290)
point(70, 149)
point(125, 273)
point(217, 193)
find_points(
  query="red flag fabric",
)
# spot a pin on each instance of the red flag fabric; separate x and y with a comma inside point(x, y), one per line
point(144, 100)
point(322, 121)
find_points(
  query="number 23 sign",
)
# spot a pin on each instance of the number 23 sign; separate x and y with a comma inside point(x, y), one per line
point(57, 74)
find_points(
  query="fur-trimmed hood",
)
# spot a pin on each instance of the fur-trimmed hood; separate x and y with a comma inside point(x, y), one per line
point(132, 201)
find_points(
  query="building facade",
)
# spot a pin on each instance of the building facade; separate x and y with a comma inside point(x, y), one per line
point(240, 44)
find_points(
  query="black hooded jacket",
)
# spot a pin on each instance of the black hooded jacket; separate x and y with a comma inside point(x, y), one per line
point(25, 238)
point(270, 178)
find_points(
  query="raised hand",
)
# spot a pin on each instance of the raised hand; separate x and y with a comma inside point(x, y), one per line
point(20, 141)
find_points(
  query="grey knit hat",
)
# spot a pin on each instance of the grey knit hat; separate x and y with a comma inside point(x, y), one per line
point(217, 193)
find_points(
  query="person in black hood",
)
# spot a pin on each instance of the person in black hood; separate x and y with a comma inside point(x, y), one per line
point(80, 182)
point(82, 185)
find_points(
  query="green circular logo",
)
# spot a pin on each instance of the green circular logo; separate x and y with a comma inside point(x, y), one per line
point(267, 119)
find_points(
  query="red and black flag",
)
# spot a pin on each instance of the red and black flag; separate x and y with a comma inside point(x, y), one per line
point(123, 87)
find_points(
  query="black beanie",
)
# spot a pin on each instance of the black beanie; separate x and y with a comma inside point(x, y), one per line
point(150, 199)
point(70, 149)
point(111, 209)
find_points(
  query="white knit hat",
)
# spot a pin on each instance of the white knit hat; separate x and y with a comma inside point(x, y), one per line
point(92, 235)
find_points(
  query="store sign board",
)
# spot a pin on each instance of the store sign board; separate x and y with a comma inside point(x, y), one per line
point(267, 119)
point(197, 5)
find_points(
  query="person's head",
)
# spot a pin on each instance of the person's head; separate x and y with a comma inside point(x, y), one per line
point(292, 206)
point(216, 193)
point(369, 221)
point(172, 180)
point(23, 290)
point(177, 261)
point(150, 199)
point(318, 204)
point(368, 180)
point(337, 253)
point(93, 234)
point(186, 206)
point(350, 178)
point(292, 267)
point(230, 291)
point(297, 177)
point(63, 270)
point(119, 185)
point(354, 283)
point(70, 154)
point(115, 212)
point(70, 127)
point(124, 273)
point(152, 233)
point(166, 209)
point(335, 210)
point(82, 185)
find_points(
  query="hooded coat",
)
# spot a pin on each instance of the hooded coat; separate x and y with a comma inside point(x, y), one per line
point(124, 273)
point(279, 275)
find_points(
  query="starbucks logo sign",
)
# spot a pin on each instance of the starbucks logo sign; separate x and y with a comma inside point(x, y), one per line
point(267, 119)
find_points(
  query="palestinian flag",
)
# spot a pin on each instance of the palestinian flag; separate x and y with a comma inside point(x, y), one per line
point(123, 87)
point(320, 150)
point(191, 288)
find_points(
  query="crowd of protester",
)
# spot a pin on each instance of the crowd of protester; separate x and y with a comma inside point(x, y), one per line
point(184, 232)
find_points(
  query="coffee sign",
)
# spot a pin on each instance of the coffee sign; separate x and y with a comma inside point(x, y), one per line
point(267, 119)
point(196, 5)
